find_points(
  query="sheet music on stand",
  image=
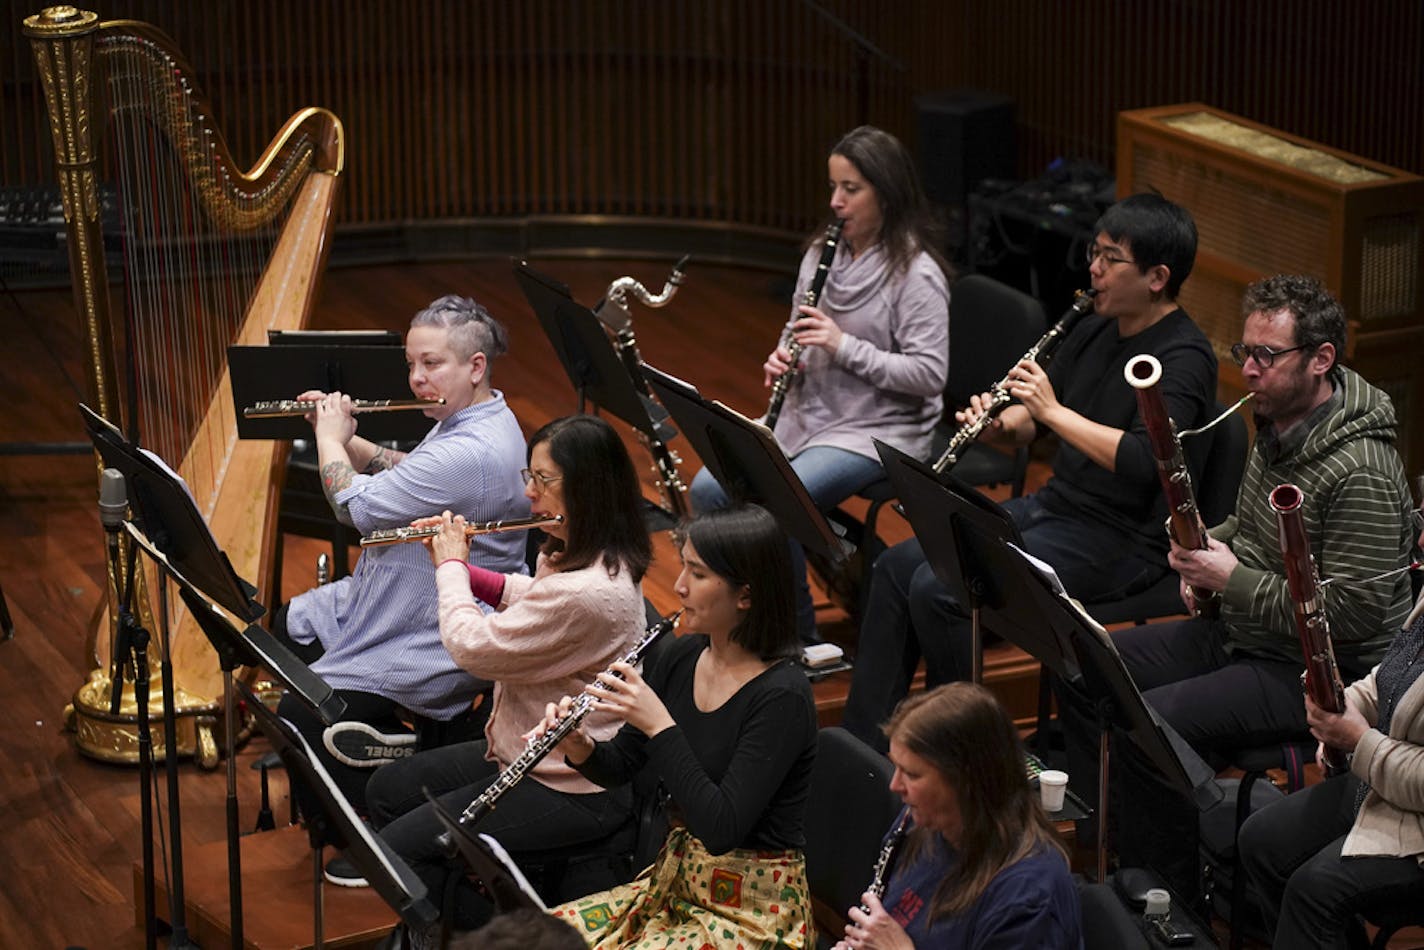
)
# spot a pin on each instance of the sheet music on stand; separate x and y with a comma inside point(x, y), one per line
point(487, 860)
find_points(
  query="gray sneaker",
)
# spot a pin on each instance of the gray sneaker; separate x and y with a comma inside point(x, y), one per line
point(363, 746)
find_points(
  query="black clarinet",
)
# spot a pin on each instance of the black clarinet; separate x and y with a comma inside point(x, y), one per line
point(538, 749)
point(885, 861)
point(809, 299)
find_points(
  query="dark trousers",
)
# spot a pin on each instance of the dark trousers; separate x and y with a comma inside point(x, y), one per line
point(1291, 850)
point(530, 817)
point(371, 708)
point(1215, 702)
point(910, 615)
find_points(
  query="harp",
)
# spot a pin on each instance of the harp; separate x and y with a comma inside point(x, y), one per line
point(211, 255)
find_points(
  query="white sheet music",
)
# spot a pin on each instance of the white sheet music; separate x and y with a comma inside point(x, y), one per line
point(1051, 576)
point(502, 856)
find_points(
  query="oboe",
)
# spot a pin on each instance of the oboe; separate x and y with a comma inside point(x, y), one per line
point(999, 398)
point(402, 535)
point(809, 299)
point(614, 314)
point(1321, 677)
point(1184, 521)
point(290, 408)
point(885, 860)
point(537, 749)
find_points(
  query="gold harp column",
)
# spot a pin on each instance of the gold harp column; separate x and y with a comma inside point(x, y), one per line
point(62, 40)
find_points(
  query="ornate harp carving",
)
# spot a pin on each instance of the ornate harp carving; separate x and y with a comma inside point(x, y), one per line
point(212, 255)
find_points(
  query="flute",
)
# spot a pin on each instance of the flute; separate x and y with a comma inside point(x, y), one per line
point(290, 408)
point(537, 749)
point(402, 535)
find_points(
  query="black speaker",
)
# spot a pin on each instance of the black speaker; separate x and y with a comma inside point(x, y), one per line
point(966, 136)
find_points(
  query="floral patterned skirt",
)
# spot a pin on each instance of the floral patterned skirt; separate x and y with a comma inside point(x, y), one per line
point(693, 900)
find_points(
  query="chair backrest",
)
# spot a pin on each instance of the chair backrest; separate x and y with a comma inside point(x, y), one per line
point(991, 325)
point(849, 810)
point(1222, 462)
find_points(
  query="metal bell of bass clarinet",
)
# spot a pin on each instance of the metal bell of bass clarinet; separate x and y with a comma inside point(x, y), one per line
point(812, 296)
point(999, 398)
point(537, 749)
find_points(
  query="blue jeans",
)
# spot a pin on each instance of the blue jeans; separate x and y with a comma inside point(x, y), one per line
point(911, 615)
point(830, 476)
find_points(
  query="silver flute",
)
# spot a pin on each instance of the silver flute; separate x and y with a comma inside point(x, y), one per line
point(291, 408)
point(999, 398)
point(539, 748)
point(402, 535)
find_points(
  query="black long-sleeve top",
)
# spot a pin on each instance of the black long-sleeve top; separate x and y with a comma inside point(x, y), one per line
point(738, 775)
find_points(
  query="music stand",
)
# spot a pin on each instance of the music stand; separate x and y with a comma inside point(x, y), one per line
point(962, 533)
point(335, 823)
point(362, 364)
point(748, 462)
point(597, 373)
point(1105, 679)
point(168, 526)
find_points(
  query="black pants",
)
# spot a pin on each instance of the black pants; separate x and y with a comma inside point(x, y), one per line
point(1215, 702)
point(530, 817)
point(1291, 849)
point(371, 708)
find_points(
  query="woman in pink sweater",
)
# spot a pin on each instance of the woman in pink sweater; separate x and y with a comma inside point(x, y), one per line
point(549, 635)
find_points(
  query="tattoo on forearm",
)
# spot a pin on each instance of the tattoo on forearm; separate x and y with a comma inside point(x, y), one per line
point(383, 459)
point(335, 477)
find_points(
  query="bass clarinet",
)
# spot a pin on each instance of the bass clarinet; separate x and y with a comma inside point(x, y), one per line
point(614, 314)
point(1184, 522)
point(539, 748)
point(1321, 677)
point(809, 299)
point(999, 398)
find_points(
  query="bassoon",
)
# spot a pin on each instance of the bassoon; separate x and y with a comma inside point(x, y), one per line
point(809, 299)
point(999, 398)
point(1322, 677)
point(539, 748)
point(1184, 522)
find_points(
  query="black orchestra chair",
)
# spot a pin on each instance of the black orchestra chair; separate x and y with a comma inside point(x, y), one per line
point(991, 326)
point(848, 812)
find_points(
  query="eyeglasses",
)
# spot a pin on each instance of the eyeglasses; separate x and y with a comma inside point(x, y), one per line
point(1262, 354)
point(544, 481)
point(1094, 252)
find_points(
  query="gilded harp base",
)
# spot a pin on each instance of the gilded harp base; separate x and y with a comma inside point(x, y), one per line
point(114, 738)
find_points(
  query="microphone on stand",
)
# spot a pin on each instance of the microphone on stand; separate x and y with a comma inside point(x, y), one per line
point(113, 506)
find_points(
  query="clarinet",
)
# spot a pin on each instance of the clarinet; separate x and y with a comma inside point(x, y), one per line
point(538, 749)
point(1184, 521)
point(1321, 678)
point(999, 398)
point(614, 314)
point(885, 861)
point(809, 299)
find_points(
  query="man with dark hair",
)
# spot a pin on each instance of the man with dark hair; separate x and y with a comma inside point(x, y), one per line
point(374, 636)
point(1099, 519)
point(1235, 681)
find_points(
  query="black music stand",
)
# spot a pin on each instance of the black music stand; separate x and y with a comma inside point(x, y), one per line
point(963, 533)
point(597, 373)
point(335, 823)
point(368, 365)
point(1105, 680)
point(168, 526)
point(748, 462)
point(487, 860)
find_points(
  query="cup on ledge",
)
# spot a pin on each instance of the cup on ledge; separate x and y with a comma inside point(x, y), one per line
point(1051, 786)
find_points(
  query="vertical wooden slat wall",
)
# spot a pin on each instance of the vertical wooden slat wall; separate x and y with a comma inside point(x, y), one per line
point(722, 110)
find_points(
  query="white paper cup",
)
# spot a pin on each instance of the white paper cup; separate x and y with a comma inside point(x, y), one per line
point(1051, 786)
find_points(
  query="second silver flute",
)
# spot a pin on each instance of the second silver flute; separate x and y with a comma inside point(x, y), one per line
point(539, 748)
point(402, 535)
point(999, 398)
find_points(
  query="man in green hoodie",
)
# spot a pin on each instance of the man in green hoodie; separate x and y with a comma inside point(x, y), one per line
point(1234, 682)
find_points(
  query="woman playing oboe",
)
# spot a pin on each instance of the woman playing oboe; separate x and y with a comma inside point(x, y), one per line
point(982, 867)
point(876, 345)
point(729, 724)
point(551, 633)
